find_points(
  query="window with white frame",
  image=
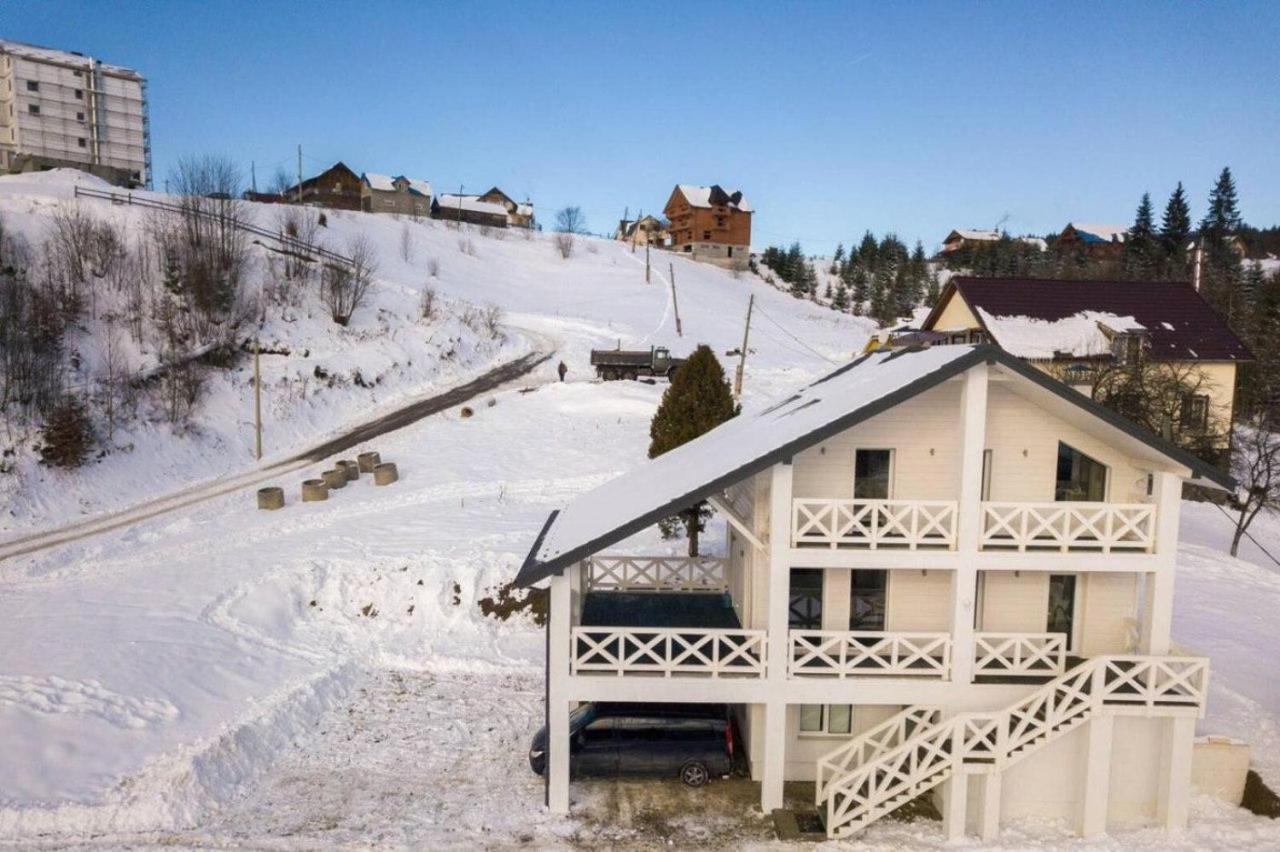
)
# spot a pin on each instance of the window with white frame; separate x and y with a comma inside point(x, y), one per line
point(826, 718)
point(872, 474)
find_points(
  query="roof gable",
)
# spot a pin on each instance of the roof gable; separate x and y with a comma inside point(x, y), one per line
point(754, 441)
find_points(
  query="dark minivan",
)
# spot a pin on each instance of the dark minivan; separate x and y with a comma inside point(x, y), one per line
point(692, 742)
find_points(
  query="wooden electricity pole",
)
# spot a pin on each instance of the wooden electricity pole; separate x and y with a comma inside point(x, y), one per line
point(742, 356)
point(675, 305)
point(299, 174)
point(257, 399)
point(646, 263)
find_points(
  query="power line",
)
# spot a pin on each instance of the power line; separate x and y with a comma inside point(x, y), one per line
point(1249, 536)
point(764, 314)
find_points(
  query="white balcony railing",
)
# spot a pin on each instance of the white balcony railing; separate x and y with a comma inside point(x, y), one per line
point(668, 651)
point(655, 574)
point(1020, 654)
point(872, 524)
point(865, 653)
point(1100, 527)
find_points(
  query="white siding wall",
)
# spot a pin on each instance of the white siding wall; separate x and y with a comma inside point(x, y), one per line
point(913, 429)
point(1015, 604)
point(1104, 605)
point(1016, 426)
point(918, 601)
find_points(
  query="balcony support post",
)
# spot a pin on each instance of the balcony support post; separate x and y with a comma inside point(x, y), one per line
point(1173, 797)
point(779, 639)
point(955, 805)
point(964, 585)
point(1157, 606)
point(989, 810)
point(558, 651)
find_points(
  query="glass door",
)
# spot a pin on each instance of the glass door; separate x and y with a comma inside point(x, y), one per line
point(1062, 605)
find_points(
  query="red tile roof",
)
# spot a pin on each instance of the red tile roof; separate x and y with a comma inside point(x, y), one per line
point(1181, 323)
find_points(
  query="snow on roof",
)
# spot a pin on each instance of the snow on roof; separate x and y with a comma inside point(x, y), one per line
point(1081, 335)
point(525, 209)
point(1035, 241)
point(738, 448)
point(751, 442)
point(387, 183)
point(62, 57)
point(1100, 233)
point(471, 203)
point(700, 196)
point(977, 234)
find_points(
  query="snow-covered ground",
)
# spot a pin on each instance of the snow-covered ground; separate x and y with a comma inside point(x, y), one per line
point(323, 676)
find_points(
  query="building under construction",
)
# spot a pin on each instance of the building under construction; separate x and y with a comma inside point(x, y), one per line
point(64, 109)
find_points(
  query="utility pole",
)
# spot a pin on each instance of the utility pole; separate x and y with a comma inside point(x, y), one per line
point(646, 263)
point(742, 356)
point(299, 174)
point(253, 176)
point(460, 188)
point(257, 399)
point(675, 305)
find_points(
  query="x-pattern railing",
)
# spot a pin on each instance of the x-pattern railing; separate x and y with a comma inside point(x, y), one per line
point(867, 789)
point(668, 651)
point(872, 524)
point(868, 746)
point(656, 574)
point(863, 653)
point(1066, 526)
point(1020, 654)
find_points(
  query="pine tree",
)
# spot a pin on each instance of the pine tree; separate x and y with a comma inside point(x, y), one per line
point(867, 251)
point(837, 260)
point(1140, 257)
point(1224, 213)
point(840, 301)
point(68, 435)
point(861, 285)
point(697, 401)
point(1175, 227)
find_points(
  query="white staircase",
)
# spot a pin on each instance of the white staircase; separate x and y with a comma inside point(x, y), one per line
point(914, 751)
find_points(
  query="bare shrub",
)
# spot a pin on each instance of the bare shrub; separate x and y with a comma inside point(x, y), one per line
point(427, 303)
point(485, 230)
point(491, 320)
point(564, 244)
point(345, 287)
point(31, 338)
point(406, 243)
point(433, 267)
point(212, 247)
point(300, 226)
point(466, 246)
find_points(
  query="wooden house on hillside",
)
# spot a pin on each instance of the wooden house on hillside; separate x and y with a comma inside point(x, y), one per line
point(710, 224)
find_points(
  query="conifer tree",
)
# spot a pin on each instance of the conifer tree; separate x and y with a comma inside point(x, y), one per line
point(68, 435)
point(1140, 255)
point(1175, 227)
point(697, 401)
point(1224, 213)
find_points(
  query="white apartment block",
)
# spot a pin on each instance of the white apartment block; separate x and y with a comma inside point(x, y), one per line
point(59, 109)
point(945, 574)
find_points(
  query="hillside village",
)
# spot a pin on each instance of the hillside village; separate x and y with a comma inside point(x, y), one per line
point(346, 510)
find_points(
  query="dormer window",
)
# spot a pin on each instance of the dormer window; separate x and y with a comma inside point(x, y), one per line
point(1126, 348)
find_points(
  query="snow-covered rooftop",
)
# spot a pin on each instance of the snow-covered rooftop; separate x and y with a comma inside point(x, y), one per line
point(700, 196)
point(1081, 335)
point(1101, 233)
point(387, 183)
point(471, 203)
point(977, 234)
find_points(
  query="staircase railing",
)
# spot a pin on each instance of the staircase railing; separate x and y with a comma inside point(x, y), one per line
point(870, 788)
point(869, 745)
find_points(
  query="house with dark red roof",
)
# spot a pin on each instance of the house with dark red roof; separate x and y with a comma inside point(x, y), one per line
point(1070, 328)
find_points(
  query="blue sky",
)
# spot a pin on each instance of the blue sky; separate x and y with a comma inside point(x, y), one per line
point(832, 117)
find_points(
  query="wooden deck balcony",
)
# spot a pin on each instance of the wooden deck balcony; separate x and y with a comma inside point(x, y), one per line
point(654, 574)
point(931, 525)
point(1069, 527)
point(1019, 655)
point(865, 653)
point(874, 524)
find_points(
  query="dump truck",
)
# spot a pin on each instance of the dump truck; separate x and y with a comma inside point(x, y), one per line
point(613, 364)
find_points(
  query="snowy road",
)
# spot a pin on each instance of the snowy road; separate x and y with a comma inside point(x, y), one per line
point(490, 381)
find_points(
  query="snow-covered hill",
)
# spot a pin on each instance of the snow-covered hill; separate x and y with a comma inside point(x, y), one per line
point(319, 377)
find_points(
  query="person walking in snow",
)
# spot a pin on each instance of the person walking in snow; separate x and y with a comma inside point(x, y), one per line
point(562, 369)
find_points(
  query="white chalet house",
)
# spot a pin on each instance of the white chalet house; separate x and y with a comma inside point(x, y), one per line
point(945, 573)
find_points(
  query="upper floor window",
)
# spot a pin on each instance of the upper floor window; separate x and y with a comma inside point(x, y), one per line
point(79, 116)
point(872, 474)
point(83, 142)
point(804, 607)
point(34, 109)
point(33, 86)
point(1079, 476)
point(79, 94)
point(1195, 411)
point(706, 235)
